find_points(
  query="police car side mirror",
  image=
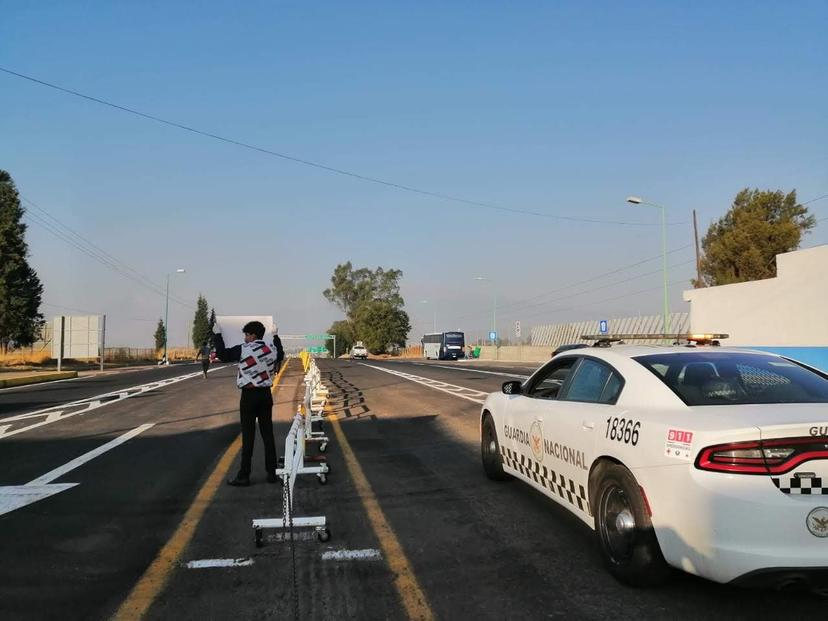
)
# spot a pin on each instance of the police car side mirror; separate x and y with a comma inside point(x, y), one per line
point(513, 387)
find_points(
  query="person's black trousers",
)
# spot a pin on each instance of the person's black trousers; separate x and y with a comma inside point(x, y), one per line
point(257, 404)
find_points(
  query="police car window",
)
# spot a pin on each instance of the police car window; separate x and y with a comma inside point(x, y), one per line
point(549, 380)
point(589, 382)
point(726, 378)
point(612, 389)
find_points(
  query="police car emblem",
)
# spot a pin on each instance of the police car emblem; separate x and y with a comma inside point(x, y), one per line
point(536, 440)
point(817, 522)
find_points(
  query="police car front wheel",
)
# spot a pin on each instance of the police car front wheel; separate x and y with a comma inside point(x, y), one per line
point(490, 451)
point(625, 534)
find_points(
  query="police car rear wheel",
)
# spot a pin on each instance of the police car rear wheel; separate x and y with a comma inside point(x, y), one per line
point(490, 452)
point(625, 534)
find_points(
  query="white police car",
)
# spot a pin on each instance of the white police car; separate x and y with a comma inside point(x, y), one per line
point(711, 460)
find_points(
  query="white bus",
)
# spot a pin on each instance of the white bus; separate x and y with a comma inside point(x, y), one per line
point(444, 345)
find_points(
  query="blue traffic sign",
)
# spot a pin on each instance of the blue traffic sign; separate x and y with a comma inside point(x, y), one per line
point(493, 336)
point(603, 326)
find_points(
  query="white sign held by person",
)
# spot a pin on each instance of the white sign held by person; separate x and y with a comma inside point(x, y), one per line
point(231, 327)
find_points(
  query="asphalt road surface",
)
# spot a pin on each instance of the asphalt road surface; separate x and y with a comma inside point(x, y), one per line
point(416, 529)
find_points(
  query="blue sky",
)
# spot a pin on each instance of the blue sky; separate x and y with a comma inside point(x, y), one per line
point(559, 108)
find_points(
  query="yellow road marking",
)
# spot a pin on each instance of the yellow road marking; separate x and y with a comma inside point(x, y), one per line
point(147, 589)
point(411, 593)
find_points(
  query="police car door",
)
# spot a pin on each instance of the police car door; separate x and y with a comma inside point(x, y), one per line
point(525, 427)
point(571, 424)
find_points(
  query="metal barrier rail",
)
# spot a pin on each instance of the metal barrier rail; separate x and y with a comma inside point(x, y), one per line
point(295, 457)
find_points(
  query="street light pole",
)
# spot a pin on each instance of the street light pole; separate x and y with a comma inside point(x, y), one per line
point(494, 307)
point(635, 200)
point(435, 315)
point(167, 314)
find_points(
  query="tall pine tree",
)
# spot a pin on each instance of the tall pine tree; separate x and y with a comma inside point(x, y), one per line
point(201, 323)
point(160, 335)
point(20, 288)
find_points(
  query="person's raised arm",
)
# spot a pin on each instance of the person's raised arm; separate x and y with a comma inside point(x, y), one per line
point(225, 354)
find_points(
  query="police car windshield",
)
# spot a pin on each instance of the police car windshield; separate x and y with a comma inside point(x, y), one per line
point(729, 378)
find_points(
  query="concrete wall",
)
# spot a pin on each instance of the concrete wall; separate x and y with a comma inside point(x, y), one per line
point(516, 353)
point(787, 314)
point(790, 310)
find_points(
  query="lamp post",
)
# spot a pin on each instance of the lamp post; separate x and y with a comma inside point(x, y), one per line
point(435, 315)
point(494, 307)
point(636, 200)
point(180, 270)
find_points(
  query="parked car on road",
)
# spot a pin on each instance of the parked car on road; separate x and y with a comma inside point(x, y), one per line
point(707, 459)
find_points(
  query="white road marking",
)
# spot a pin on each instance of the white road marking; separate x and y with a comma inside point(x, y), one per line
point(469, 394)
point(14, 497)
point(467, 370)
point(60, 412)
point(209, 563)
point(302, 535)
point(352, 555)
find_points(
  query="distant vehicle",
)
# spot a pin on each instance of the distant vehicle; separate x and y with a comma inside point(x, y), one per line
point(568, 347)
point(707, 459)
point(359, 351)
point(444, 346)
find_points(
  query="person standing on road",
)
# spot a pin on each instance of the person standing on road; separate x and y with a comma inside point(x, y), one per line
point(258, 364)
point(204, 352)
point(280, 351)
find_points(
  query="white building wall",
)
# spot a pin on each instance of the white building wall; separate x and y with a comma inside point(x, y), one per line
point(790, 310)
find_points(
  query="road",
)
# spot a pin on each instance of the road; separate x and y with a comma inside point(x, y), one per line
point(417, 530)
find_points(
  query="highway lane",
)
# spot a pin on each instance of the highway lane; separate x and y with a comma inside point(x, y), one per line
point(77, 553)
point(478, 549)
point(23, 399)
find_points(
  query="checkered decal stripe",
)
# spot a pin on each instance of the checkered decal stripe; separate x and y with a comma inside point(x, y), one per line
point(548, 478)
point(813, 486)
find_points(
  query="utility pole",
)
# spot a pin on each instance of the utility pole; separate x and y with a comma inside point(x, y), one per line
point(698, 258)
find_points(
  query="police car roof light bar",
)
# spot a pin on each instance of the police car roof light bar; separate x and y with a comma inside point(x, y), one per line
point(605, 340)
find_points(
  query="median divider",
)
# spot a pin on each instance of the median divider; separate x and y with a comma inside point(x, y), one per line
point(39, 378)
point(312, 410)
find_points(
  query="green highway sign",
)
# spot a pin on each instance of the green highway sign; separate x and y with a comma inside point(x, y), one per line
point(316, 350)
point(318, 337)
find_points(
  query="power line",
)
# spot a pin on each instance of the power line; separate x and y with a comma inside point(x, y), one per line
point(325, 167)
point(98, 250)
point(612, 299)
point(98, 257)
point(90, 312)
point(623, 268)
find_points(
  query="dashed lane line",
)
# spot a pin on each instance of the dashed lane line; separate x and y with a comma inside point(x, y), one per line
point(212, 563)
point(469, 394)
point(10, 425)
point(468, 370)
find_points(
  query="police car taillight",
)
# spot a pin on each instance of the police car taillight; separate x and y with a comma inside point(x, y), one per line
point(775, 456)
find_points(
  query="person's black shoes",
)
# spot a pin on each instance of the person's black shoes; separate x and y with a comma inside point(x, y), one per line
point(239, 481)
point(272, 478)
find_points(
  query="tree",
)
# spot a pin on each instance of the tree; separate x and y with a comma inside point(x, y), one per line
point(160, 335)
point(202, 328)
point(350, 289)
point(212, 319)
point(344, 333)
point(743, 244)
point(372, 305)
point(381, 325)
point(20, 287)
